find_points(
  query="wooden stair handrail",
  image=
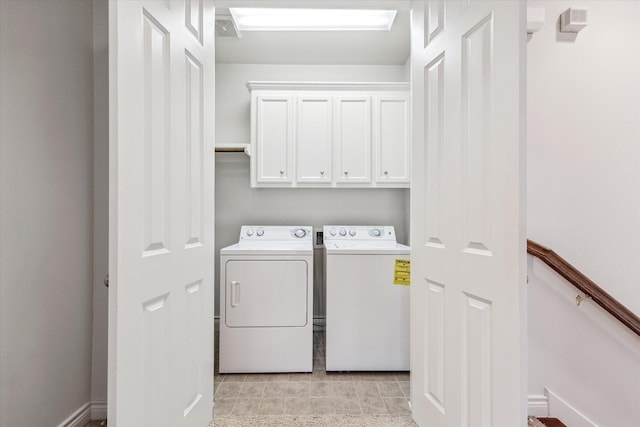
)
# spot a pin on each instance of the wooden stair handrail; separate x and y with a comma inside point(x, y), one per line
point(585, 285)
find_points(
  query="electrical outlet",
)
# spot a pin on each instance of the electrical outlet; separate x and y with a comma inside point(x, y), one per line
point(319, 238)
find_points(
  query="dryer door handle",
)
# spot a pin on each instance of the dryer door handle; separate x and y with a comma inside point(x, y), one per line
point(235, 293)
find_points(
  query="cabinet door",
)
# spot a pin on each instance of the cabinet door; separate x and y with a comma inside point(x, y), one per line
point(274, 139)
point(391, 139)
point(353, 139)
point(314, 142)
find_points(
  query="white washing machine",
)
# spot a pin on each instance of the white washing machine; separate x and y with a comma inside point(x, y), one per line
point(367, 326)
point(266, 301)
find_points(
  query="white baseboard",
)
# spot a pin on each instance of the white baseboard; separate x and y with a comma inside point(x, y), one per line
point(99, 410)
point(562, 410)
point(79, 418)
point(538, 405)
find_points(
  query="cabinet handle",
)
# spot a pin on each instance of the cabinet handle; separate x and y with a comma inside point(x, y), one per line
point(386, 172)
point(346, 173)
point(281, 172)
point(322, 173)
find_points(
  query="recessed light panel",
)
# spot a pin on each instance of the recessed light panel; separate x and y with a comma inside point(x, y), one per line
point(254, 19)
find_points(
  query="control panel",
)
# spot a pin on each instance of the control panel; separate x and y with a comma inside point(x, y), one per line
point(275, 233)
point(359, 232)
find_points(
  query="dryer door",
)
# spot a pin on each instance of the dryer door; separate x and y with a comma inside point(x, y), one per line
point(263, 293)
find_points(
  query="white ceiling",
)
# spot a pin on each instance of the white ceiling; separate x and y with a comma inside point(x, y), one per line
point(318, 47)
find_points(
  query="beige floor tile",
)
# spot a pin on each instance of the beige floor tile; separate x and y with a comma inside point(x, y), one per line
point(271, 406)
point(297, 405)
point(298, 388)
point(339, 376)
point(344, 389)
point(397, 405)
point(252, 389)
point(316, 393)
point(256, 378)
point(406, 388)
point(277, 378)
point(389, 389)
point(321, 389)
point(224, 406)
point(300, 376)
point(374, 376)
point(246, 406)
point(322, 405)
point(347, 405)
point(367, 389)
point(228, 390)
point(318, 375)
point(275, 389)
point(372, 405)
point(403, 376)
point(234, 378)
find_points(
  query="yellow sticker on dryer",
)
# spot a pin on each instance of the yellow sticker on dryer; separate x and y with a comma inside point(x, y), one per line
point(402, 272)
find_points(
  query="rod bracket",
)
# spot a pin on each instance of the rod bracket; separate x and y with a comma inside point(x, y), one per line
point(580, 298)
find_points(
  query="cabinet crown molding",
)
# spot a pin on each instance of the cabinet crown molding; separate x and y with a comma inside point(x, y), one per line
point(343, 86)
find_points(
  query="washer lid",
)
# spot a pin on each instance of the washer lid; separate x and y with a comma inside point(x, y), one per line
point(365, 248)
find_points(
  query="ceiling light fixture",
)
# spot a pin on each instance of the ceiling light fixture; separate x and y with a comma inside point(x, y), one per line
point(251, 19)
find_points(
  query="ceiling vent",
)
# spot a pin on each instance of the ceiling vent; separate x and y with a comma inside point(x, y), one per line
point(226, 27)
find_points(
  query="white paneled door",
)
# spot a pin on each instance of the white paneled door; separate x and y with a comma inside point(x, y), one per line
point(468, 330)
point(161, 257)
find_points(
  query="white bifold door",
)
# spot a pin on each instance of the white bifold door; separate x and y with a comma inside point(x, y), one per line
point(468, 329)
point(161, 256)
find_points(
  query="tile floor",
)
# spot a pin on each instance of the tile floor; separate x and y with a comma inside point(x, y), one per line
point(316, 393)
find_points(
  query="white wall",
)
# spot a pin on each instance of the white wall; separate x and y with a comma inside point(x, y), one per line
point(584, 143)
point(238, 204)
point(584, 203)
point(581, 353)
point(46, 184)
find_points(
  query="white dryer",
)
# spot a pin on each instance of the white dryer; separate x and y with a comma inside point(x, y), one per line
point(367, 325)
point(266, 301)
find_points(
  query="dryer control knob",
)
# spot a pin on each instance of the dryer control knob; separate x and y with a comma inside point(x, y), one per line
point(300, 233)
point(376, 232)
point(352, 232)
point(249, 233)
point(332, 232)
point(260, 232)
point(343, 232)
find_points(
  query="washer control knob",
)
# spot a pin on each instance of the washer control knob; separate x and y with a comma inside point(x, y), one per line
point(249, 232)
point(343, 232)
point(260, 232)
point(300, 233)
point(376, 232)
point(352, 233)
point(332, 232)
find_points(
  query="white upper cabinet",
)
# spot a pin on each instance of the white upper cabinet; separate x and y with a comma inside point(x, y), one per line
point(330, 134)
point(353, 139)
point(314, 141)
point(272, 158)
point(391, 139)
